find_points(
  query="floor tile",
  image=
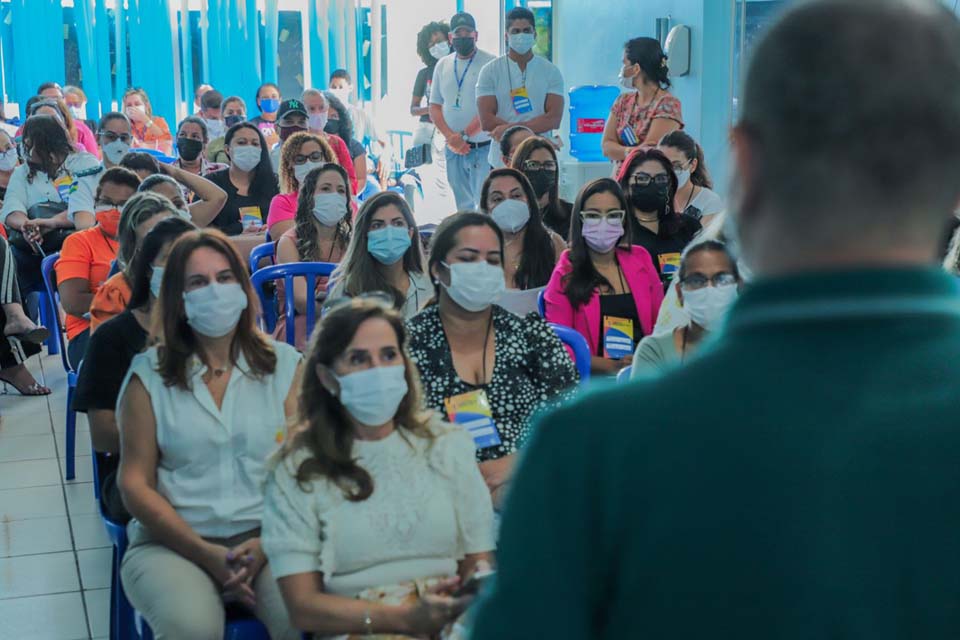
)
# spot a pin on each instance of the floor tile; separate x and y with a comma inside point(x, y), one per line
point(32, 473)
point(47, 617)
point(59, 418)
point(83, 467)
point(88, 532)
point(95, 567)
point(80, 500)
point(20, 419)
point(39, 535)
point(98, 611)
point(38, 575)
point(32, 502)
point(29, 447)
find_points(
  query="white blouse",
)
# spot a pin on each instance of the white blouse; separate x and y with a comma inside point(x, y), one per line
point(429, 508)
point(212, 462)
point(76, 184)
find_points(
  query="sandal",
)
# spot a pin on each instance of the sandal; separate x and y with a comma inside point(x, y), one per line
point(32, 389)
point(35, 336)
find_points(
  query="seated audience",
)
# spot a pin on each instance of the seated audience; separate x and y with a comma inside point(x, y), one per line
point(385, 254)
point(512, 137)
point(532, 250)
point(192, 138)
point(234, 111)
point(707, 285)
point(474, 356)
point(87, 257)
point(84, 136)
point(57, 108)
point(340, 124)
point(142, 164)
point(318, 115)
point(604, 287)
point(249, 182)
point(268, 102)
point(141, 214)
point(695, 196)
point(199, 413)
point(291, 119)
point(536, 157)
point(211, 112)
point(321, 234)
point(648, 180)
point(114, 137)
point(173, 183)
point(302, 153)
point(373, 498)
point(149, 131)
point(8, 162)
point(113, 347)
point(21, 336)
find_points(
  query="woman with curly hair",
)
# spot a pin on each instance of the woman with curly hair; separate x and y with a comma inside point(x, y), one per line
point(302, 153)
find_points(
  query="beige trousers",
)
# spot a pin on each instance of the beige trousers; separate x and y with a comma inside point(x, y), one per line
point(180, 601)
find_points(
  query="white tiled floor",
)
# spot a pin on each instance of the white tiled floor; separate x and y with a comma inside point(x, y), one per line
point(54, 553)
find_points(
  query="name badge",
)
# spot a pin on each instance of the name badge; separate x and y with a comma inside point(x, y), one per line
point(472, 411)
point(521, 100)
point(65, 186)
point(617, 337)
point(628, 137)
point(251, 216)
point(669, 263)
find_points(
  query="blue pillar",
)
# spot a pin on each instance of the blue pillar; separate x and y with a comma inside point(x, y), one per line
point(84, 12)
point(37, 46)
point(186, 57)
point(232, 48)
point(272, 32)
point(152, 41)
point(121, 83)
point(101, 48)
point(319, 53)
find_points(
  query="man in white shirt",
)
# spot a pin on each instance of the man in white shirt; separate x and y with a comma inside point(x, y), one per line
point(453, 109)
point(519, 88)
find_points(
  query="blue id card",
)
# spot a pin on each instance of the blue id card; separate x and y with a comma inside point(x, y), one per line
point(628, 137)
point(472, 411)
point(521, 100)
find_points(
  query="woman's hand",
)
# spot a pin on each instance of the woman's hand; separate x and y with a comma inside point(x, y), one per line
point(136, 115)
point(435, 609)
point(231, 577)
point(33, 230)
point(248, 555)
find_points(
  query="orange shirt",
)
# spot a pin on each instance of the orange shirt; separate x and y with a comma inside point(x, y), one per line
point(110, 300)
point(146, 138)
point(86, 254)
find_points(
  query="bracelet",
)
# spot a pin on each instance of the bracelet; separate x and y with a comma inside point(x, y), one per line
point(368, 622)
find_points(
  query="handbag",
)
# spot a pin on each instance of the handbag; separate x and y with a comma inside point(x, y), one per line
point(53, 239)
point(418, 156)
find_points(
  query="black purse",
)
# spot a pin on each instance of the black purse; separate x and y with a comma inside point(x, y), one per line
point(418, 156)
point(52, 239)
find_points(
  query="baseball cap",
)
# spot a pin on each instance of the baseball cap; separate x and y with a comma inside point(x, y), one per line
point(291, 106)
point(463, 19)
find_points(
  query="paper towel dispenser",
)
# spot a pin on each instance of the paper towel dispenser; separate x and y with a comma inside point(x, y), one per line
point(677, 49)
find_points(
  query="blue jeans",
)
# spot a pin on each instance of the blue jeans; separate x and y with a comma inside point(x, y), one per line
point(466, 175)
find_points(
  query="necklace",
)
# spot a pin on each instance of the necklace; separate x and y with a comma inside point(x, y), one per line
point(693, 192)
point(486, 338)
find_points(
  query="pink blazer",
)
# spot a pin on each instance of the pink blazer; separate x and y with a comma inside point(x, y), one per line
point(640, 275)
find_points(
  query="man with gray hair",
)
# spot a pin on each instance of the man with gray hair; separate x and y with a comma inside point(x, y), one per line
point(800, 477)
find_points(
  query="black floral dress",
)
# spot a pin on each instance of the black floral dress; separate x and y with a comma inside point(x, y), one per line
point(532, 370)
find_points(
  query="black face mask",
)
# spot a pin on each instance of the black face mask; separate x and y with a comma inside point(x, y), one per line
point(232, 120)
point(464, 46)
point(189, 149)
point(542, 180)
point(650, 197)
point(286, 132)
point(333, 126)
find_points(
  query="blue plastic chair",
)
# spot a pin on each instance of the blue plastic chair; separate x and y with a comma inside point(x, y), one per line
point(156, 153)
point(56, 332)
point(309, 270)
point(542, 304)
point(235, 629)
point(53, 345)
point(581, 350)
point(623, 375)
point(121, 612)
point(262, 252)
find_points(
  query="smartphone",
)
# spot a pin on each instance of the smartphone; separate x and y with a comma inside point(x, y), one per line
point(473, 585)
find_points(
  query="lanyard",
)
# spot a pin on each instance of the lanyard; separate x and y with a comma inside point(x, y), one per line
point(523, 75)
point(460, 79)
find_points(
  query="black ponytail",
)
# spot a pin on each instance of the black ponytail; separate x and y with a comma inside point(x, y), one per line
point(648, 53)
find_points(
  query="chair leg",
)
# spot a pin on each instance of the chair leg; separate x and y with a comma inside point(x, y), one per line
point(115, 597)
point(49, 323)
point(71, 435)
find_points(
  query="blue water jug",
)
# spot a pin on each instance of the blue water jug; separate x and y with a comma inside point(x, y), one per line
point(589, 110)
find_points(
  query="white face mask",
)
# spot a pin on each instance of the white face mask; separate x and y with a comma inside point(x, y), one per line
point(78, 113)
point(116, 150)
point(522, 42)
point(625, 81)
point(318, 121)
point(8, 159)
point(475, 285)
point(329, 208)
point(245, 158)
point(511, 215)
point(215, 128)
point(300, 171)
point(439, 50)
point(707, 306)
point(372, 396)
point(214, 310)
point(156, 277)
point(342, 94)
point(683, 177)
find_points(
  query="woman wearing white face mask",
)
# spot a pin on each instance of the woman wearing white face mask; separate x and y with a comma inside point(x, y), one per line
point(149, 131)
point(373, 497)
point(318, 115)
point(301, 153)
point(321, 234)
point(708, 285)
point(694, 196)
point(531, 250)
point(198, 415)
point(603, 287)
point(647, 111)
point(249, 182)
point(8, 162)
point(476, 357)
point(114, 135)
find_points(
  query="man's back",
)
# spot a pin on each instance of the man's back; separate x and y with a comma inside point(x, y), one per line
point(800, 480)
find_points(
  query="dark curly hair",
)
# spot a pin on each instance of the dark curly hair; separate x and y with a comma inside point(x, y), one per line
point(648, 53)
point(45, 136)
point(308, 248)
point(423, 40)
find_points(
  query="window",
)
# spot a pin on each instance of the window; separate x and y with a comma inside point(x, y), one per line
point(752, 17)
point(290, 53)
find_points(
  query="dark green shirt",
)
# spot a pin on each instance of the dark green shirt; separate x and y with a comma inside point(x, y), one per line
point(798, 480)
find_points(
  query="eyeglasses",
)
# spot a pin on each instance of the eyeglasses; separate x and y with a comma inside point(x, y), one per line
point(110, 136)
point(316, 156)
point(382, 298)
point(533, 165)
point(591, 217)
point(698, 281)
point(643, 179)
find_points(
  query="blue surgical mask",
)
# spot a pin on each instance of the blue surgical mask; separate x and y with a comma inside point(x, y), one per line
point(511, 215)
point(155, 279)
point(522, 42)
point(329, 208)
point(214, 310)
point(372, 396)
point(475, 285)
point(269, 105)
point(389, 244)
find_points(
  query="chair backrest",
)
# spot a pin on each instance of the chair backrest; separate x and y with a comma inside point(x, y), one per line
point(262, 252)
point(287, 272)
point(541, 304)
point(581, 350)
point(624, 374)
point(53, 298)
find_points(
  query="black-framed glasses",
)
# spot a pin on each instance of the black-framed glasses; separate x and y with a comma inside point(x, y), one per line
point(316, 156)
point(697, 281)
point(643, 179)
point(592, 217)
point(380, 297)
point(533, 165)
